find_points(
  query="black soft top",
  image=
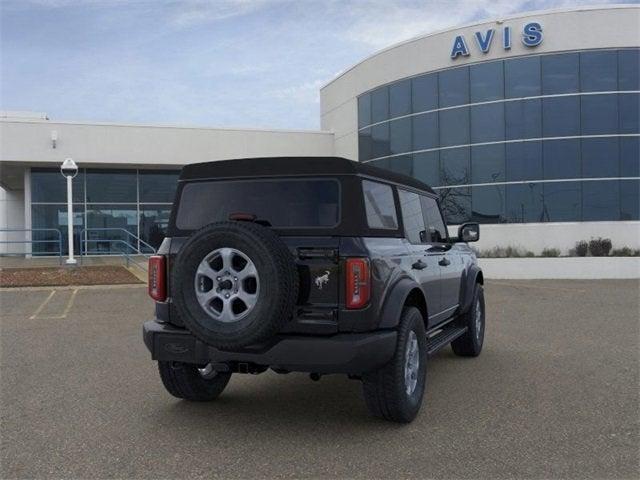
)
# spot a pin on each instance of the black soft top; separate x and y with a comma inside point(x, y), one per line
point(293, 166)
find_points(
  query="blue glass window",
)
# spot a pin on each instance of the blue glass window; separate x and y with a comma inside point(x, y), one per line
point(523, 161)
point(53, 216)
point(112, 186)
point(629, 112)
point(401, 164)
point(487, 204)
point(49, 186)
point(154, 220)
point(561, 159)
point(454, 166)
point(487, 81)
point(487, 163)
point(456, 204)
point(560, 73)
point(629, 69)
point(364, 110)
point(425, 131)
point(365, 144)
point(524, 203)
point(523, 119)
point(561, 116)
point(425, 92)
point(629, 200)
point(522, 77)
point(599, 114)
point(630, 157)
point(400, 135)
point(380, 140)
point(158, 187)
point(562, 201)
point(487, 123)
point(380, 105)
point(600, 157)
point(116, 218)
point(454, 87)
point(599, 71)
point(426, 167)
point(454, 127)
point(400, 98)
point(600, 200)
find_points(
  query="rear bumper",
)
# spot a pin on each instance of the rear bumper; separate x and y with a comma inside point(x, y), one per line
point(343, 353)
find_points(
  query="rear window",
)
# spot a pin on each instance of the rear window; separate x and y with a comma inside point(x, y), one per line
point(294, 203)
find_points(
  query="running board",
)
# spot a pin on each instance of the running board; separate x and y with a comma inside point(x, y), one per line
point(444, 338)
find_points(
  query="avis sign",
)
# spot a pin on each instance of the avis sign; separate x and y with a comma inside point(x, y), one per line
point(531, 37)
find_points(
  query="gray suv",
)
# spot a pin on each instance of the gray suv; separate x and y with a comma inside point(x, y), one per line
point(318, 265)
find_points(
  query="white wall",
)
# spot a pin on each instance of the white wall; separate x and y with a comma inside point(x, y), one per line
point(538, 236)
point(11, 216)
point(29, 141)
point(576, 29)
point(587, 268)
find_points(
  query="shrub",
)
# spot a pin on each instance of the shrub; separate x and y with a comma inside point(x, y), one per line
point(625, 252)
point(581, 249)
point(550, 252)
point(505, 252)
point(600, 247)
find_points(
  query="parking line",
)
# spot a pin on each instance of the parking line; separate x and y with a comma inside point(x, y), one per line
point(42, 305)
point(66, 309)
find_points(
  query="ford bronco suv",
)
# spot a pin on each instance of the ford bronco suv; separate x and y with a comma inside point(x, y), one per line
point(318, 265)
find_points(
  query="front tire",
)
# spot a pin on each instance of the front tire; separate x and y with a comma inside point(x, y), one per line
point(188, 381)
point(470, 344)
point(395, 391)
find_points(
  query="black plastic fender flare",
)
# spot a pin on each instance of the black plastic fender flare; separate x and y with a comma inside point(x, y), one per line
point(467, 286)
point(394, 303)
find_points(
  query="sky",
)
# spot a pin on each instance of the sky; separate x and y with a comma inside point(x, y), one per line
point(217, 63)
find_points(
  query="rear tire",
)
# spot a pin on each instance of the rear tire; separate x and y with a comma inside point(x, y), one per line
point(470, 344)
point(184, 380)
point(390, 392)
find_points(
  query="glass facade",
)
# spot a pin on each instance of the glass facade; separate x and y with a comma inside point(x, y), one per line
point(108, 203)
point(541, 138)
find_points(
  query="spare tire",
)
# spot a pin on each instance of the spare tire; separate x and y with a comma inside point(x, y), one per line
point(234, 284)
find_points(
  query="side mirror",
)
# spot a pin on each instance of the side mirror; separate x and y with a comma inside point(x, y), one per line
point(469, 232)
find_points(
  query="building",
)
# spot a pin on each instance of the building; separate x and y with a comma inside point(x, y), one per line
point(528, 124)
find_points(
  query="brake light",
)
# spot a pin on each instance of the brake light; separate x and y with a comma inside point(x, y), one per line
point(157, 278)
point(358, 282)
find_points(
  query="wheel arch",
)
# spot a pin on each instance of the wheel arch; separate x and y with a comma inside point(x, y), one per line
point(473, 276)
point(405, 293)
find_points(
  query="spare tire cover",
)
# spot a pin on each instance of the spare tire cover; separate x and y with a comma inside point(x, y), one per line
point(234, 284)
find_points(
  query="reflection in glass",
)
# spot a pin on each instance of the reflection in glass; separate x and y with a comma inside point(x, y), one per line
point(487, 81)
point(488, 204)
point(561, 116)
point(630, 157)
point(400, 135)
point(629, 112)
point(456, 204)
point(49, 186)
point(630, 200)
point(55, 216)
point(629, 69)
point(158, 187)
point(454, 127)
point(424, 92)
point(562, 201)
point(599, 71)
point(561, 159)
point(487, 163)
point(600, 157)
point(425, 131)
point(402, 164)
point(454, 166)
point(117, 219)
point(379, 205)
point(380, 140)
point(522, 77)
point(111, 186)
point(365, 144)
point(523, 119)
point(560, 73)
point(380, 104)
point(524, 203)
point(426, 168)
point(454, 87)
point(487, 123)
point(599, 114)
point(600, 200)
point(411, 215)
point(523, 161)
point(400, 98)
point(154, 220)
point(364, 110)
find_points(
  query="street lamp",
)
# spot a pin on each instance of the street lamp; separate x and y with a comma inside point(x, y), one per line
point(69, 169)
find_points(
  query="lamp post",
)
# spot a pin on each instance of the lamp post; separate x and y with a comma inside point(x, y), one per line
point(69, 169)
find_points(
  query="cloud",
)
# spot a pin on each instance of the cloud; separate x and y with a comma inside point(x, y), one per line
point(194, 12)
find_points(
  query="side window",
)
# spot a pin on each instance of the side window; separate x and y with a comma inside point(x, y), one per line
point(412, 216)
point(433, 219)
point(379, 205)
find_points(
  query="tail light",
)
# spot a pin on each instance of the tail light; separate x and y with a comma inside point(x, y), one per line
point(157, 278)
point(358, 282)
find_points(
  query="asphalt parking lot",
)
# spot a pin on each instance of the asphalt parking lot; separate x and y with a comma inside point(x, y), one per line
point(553, 395)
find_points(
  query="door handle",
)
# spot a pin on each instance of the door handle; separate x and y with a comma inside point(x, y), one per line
point(419, 265)
point(444, 262)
